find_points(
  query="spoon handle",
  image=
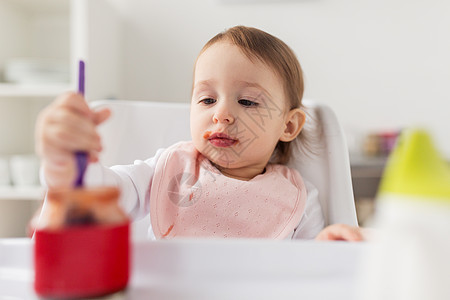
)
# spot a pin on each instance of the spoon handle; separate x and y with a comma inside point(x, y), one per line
point(81, 157)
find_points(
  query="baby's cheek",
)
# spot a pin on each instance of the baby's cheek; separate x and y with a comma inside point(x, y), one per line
point(196, 135)
point(199, 143)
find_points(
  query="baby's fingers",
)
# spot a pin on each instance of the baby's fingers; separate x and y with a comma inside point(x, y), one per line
point(340, 232)
point(69, 139)
point(74, 102)
point(101, 115)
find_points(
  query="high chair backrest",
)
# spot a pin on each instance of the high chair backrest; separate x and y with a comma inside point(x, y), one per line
point(136, 129)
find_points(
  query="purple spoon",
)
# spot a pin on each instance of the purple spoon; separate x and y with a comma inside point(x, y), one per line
point(80, 156)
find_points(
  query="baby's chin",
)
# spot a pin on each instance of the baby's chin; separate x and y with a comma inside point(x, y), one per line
point(221, 158)
point(223, 161)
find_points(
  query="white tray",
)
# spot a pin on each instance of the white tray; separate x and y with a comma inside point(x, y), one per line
point(214, 269)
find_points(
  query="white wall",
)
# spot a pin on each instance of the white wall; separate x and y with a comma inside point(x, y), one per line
point(379, 64)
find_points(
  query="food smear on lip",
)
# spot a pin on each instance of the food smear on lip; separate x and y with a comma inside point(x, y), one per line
point(207, 135)
point(221, 140)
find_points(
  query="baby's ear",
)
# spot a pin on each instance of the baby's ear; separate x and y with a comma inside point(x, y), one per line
point(295, 119)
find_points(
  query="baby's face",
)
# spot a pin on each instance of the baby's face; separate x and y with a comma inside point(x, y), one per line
point(238, 110)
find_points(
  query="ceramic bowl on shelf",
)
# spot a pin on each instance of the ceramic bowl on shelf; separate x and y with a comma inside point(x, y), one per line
point(24, 169)
point(4, 171)
point(36, 71)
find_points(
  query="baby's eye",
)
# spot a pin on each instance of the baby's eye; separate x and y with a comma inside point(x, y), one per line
point(248, 103)
point(207, 101)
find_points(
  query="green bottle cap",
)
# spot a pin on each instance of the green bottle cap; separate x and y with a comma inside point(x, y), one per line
point(416, 168)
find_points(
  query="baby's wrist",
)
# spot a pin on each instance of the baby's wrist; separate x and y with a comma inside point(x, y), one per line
point(58, 175)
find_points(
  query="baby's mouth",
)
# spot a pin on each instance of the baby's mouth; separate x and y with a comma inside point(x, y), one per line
point(220, 139)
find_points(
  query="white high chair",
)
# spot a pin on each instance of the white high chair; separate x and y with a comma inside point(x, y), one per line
point(137, 129)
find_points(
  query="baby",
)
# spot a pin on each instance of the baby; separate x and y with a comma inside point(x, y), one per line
point(230, 181)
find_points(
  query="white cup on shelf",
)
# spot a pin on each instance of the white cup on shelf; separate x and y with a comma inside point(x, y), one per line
point(5, 179)
point(24, 170)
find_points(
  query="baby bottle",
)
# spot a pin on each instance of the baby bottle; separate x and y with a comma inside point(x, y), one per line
point(410, 258)
point(81, 244)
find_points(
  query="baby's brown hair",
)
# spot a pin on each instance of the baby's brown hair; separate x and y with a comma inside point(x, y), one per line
point(272, 51)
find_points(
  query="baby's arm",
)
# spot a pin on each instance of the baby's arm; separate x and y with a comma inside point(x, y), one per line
point(341, 232)
point(134, 182)
point(312, 221)
point(64, 127)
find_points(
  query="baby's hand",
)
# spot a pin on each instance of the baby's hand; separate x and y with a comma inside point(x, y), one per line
point(64, 127)
point(341, 232)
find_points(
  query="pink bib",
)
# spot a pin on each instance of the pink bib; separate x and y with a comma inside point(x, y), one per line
point(191, 198)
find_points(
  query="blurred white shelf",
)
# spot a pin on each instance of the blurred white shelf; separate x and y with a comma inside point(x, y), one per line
point(35, 90)
point(21, 193)
point(41, 6)
point(359, 160)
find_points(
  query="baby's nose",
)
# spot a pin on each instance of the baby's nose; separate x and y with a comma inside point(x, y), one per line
point(223, 115)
